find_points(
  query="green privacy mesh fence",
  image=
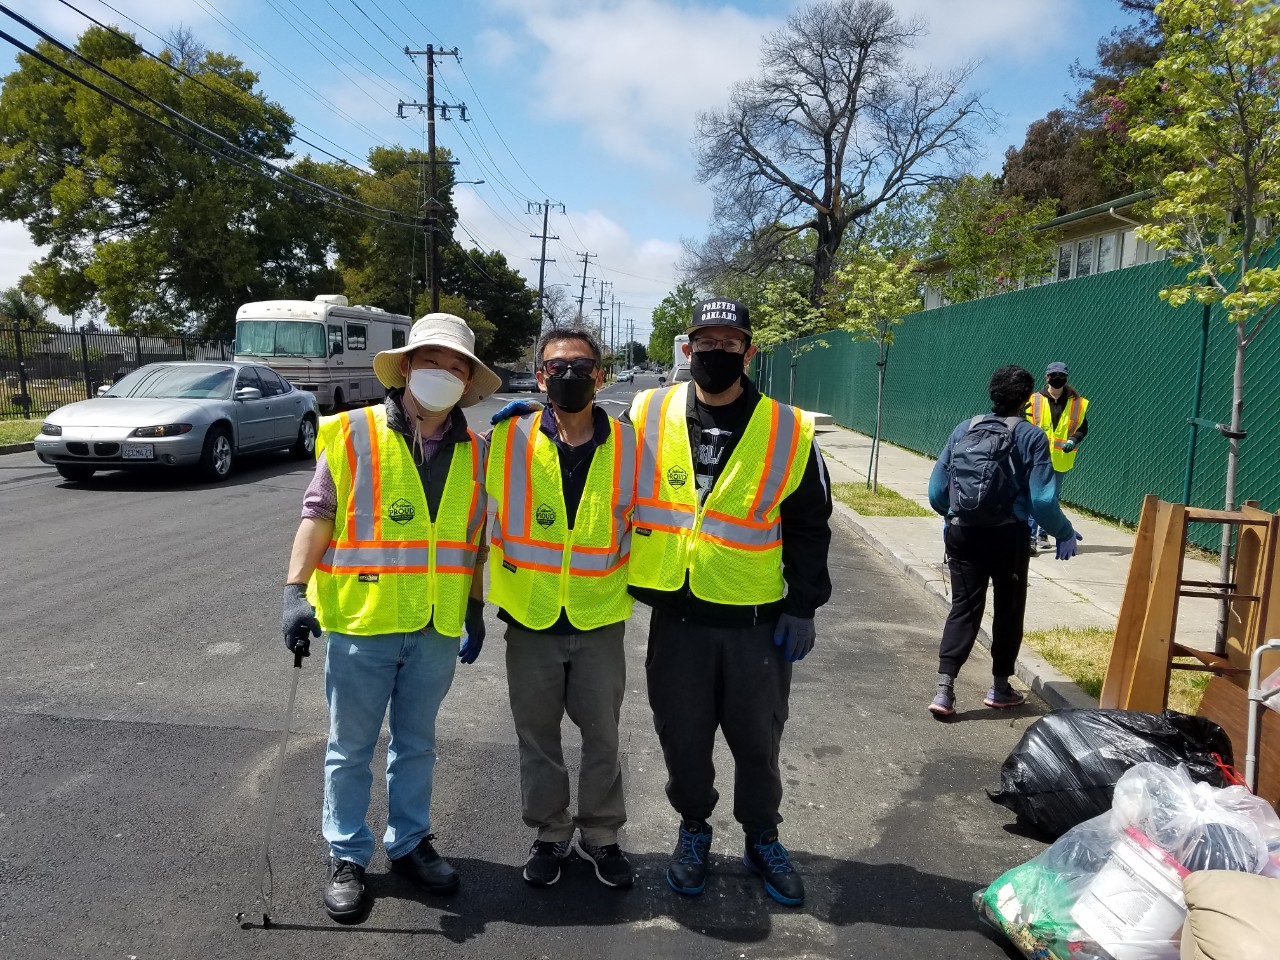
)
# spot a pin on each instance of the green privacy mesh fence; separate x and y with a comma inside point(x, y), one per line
point(1131, 354)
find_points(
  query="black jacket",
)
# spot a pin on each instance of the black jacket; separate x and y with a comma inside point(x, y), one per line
point(806, 538)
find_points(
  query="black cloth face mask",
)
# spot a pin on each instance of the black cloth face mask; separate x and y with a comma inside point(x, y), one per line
point(1057, 381)
point(571, 393)
point(715, 371)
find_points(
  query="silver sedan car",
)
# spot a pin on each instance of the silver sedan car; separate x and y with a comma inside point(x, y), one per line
point(180, 414)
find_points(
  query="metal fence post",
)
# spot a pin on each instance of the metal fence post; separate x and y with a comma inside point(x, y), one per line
point(22, 370)
point(84, 365)
point(137, 351)
point(183, 341)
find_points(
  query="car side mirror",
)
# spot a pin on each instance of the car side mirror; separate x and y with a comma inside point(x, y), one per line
point(102, 390)
point(248, 393)
point(662, 379)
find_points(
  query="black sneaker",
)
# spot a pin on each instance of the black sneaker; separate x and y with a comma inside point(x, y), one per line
point(427, 868)
point(613, 869)
point(344, 897)
point(687, 871)
point(769, 858)
point(542, 869)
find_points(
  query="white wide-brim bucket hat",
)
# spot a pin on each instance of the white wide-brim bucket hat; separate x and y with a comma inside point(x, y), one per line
point(440, 330)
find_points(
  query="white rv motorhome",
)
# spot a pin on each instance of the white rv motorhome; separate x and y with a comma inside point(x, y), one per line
point(679, 362)
point(322, 346)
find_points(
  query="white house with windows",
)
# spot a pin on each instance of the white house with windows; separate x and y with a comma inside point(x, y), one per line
point(1094, 240)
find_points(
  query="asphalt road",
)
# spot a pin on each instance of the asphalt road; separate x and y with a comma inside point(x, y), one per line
point(141, 683)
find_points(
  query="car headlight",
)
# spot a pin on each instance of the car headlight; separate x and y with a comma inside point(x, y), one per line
point(164, 430)
point(50, 429)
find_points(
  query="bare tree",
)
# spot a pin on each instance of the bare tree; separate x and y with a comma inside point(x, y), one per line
point(837, 124)
point(181, 43)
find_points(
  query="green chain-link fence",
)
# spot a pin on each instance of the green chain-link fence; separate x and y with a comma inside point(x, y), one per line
point(1131, 354)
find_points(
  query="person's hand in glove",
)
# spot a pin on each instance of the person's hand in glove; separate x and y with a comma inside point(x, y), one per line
point(474, 624)
point(795, 635)
point(299, 622)
point(1067, 548)
point(1068, 446)
point(516, 408)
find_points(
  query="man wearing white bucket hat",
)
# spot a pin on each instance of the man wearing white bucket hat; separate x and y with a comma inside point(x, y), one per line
point(388, 560)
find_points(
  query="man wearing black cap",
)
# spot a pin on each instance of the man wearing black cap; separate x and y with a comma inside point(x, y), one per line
point(729, 547)
point(1059, 411)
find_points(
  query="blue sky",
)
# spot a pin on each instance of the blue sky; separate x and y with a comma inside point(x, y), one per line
point(589, 103)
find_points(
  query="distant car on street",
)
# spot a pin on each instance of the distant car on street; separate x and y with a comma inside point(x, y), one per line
point(523, 382)
point(180, 414)
point(626, 376)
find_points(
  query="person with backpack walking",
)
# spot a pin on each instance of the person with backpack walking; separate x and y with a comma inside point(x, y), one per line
point(994, 473)
point(1060, 411)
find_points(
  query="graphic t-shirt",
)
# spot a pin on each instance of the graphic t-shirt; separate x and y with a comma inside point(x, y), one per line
point(721, 429)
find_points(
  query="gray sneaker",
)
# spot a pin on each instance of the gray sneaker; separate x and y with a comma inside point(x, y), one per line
point(944, 703)
point(1001, 701)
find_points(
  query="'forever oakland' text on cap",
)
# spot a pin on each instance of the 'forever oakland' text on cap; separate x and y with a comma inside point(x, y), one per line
point(721, 313)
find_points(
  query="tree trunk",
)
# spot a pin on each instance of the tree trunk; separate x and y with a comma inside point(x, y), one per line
point(1233, 470)
point(823, 263)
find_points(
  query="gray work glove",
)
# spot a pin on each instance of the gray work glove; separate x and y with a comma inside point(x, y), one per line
point(299, 621)
point(795, 635)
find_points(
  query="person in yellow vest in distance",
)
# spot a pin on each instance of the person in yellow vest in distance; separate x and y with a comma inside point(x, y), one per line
point(1060, 411)
point(729, 547)
point(388, 561)
point(561, 480)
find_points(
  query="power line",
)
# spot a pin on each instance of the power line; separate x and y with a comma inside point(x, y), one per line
point(332, 49)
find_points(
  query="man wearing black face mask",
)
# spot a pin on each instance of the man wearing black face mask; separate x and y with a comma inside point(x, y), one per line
point(561, 483)
point(1059, 411)
point(729, 548)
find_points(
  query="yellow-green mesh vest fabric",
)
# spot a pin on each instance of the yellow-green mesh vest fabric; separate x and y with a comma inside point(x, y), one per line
point(388, 568)
point(731, 547)
point(1041, 415)
point(538, 566)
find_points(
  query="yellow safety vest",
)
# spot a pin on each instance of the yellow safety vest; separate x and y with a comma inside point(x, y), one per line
point(389, 568)
point(539, 566)
point(731, 546)
point(1068, 423)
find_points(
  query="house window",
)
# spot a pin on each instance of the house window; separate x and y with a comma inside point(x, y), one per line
point(1064, 262)
point(1106, 252)
point(1084, 258)
point(397, 339)
point(1128, 248)
point(356, 336)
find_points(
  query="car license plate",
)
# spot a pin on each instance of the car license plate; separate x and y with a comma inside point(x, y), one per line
point(138, 451)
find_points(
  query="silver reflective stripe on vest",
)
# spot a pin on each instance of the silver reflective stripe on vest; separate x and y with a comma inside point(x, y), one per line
point(362, 485)
point(476, 520)
point(595, 562)
point(737, 533)
point(528, 553)
point(779, 465)
point(646, 515)
point(456, 557)
point(517, 479)
point(625, 494)
point(396, 556)
point(649, 451)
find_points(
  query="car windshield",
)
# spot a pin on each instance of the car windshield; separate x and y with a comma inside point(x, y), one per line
point(196, 381)
point(284, 338)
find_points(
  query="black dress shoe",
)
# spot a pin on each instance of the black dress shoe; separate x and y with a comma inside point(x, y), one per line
point(427, 868)
point(344, 897)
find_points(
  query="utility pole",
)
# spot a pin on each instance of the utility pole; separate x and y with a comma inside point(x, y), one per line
point(582, 293)
point(433, 205)
point(545, 209)
point(631, 338)
point(600, 309)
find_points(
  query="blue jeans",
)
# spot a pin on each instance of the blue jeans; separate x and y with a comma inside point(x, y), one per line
point(411, 672)
point(1057, 493)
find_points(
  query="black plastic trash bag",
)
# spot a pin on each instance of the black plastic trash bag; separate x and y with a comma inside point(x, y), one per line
point(1065, 768)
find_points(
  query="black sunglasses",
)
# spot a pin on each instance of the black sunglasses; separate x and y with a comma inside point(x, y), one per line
point(581, 367)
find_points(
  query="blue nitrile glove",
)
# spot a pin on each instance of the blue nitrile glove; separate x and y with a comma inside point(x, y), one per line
point(474, 624)
point(1068, 446)
point(1067, 548)
point(299, 621)
point(516, 408)
point(797, 633)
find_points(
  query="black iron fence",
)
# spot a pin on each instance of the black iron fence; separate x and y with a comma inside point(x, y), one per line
point(41, 370)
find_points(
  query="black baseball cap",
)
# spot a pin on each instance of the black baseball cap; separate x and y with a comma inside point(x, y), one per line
point(721, 313)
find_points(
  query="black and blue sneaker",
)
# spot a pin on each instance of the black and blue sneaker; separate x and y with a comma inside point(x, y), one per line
point(687, 872)
point(769, 858)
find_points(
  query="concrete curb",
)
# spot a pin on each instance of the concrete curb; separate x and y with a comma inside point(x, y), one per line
point(1046, 681)
point(16, 447)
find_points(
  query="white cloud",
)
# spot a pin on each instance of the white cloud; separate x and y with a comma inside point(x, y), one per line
point(964, 30)
point(17, 253)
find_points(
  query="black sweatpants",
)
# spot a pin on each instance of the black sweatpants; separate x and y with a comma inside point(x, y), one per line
point(733, 678)
point(977, 555)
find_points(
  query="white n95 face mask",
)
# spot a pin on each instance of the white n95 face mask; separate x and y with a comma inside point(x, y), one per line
point(435, 390)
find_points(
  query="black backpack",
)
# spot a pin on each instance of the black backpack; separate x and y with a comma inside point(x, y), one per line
point(982, 487)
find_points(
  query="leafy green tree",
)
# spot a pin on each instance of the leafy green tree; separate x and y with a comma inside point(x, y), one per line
point(1222, 65)
point(141, 228)
point(21, 308)
point(671, 318)
point(491, 287)
point(990, 242)
point(637, 352)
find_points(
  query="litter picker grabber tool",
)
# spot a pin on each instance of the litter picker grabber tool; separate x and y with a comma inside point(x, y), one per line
point(265, 878)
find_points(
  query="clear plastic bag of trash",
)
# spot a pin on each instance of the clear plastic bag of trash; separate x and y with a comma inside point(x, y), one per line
point(1111, 887)
point(1063, 770)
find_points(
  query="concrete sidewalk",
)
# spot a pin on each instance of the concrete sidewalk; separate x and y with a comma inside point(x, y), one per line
point(1085, 591)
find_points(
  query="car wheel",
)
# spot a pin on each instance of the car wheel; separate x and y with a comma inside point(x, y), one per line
point(77, 474)
point(218, 455)
point(304, 448)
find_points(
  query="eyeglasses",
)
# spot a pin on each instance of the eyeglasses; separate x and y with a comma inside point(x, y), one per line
point(729, 345)
point(581, 367)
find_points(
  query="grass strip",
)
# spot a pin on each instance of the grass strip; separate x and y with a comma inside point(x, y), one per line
point(883, 503)
point(18, 431)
